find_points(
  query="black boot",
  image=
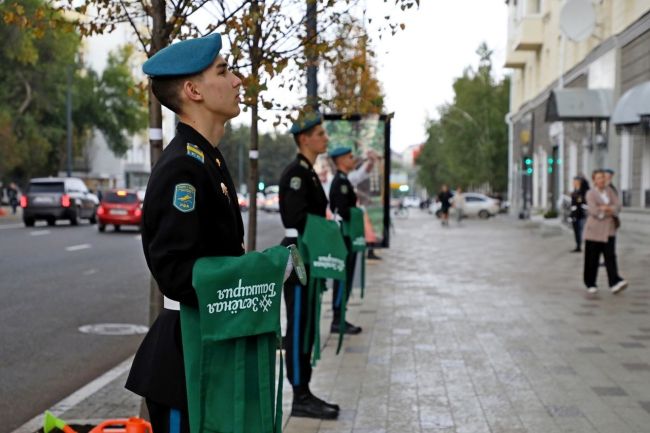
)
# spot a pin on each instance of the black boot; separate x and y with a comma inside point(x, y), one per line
point(332, 405)
point(350, 329)
point(307, 406)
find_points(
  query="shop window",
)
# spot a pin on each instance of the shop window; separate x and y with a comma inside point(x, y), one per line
point(647, 198)
point(626, 198)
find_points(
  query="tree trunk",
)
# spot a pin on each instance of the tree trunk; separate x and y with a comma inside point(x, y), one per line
point(253, 179)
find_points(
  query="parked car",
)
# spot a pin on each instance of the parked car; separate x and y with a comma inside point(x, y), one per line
point(119, 207)
point(56, 198)
point(480, 205)
point(271, 202)
point(476, 204)
point(411, 201)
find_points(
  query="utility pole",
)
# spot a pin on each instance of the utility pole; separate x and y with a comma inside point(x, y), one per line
point(68, 120)
point(312, 54)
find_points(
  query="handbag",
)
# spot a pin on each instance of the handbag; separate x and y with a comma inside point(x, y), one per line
point(617, 222)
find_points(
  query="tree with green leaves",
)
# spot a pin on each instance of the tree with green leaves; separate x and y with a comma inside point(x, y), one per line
point(468, 145)
point(40, 55)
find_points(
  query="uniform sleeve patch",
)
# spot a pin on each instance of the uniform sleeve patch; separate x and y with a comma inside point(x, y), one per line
point(184, 197)
point(194, 151)
point(295, 183)
point(344, 189)
point(304, 164)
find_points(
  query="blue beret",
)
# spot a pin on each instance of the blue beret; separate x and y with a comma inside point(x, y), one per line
point(339, 151)
point(306, 121)
point(609, 170)
point(187, 57)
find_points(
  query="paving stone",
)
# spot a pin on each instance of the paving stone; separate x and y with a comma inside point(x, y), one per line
point(590, 350)
point(610, 391)
point(631, 345)
point(639, 366)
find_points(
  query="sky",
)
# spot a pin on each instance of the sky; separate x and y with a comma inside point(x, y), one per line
point(417, 66)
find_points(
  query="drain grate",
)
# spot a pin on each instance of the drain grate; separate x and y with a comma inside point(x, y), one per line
point(113, 329)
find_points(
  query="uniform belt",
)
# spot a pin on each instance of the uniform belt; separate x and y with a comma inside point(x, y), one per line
point(291, 233)
point(170, 304)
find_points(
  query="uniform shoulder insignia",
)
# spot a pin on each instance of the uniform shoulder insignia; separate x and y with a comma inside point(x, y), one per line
point(304, 164)
point(194, 151)
point(344, 189)
point(184, 197)
point(295, 183)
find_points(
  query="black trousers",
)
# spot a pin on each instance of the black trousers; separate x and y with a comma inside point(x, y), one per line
point(578, 227)
point(593, 250)
point(298, 361)
point(337, 295)
point(165, 419)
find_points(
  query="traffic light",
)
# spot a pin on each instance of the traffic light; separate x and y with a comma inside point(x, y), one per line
point(528, 165)
point(551, 162)
point(260, 186)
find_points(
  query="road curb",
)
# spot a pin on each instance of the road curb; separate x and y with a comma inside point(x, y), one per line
point(78, 396)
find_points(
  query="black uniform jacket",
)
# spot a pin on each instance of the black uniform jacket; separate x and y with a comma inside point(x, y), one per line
point(182, 224)
point(342, 196)
point(300, 193)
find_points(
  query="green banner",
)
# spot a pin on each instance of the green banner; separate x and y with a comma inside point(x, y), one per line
point(229, 343)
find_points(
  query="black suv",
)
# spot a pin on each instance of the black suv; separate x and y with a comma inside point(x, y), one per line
point(56, 198)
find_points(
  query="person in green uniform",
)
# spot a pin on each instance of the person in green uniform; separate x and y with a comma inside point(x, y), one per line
point(342, 198)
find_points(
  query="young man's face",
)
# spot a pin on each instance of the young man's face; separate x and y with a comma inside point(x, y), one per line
point(220, 89)
point(315, 140)
point(345, 163)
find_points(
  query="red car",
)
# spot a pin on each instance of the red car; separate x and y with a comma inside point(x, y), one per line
point(119, 207)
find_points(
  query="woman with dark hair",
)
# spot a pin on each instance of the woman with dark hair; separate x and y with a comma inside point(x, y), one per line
point(444, 197)
point(578, 205)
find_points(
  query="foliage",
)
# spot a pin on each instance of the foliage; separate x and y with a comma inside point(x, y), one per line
point(355, 86)
point(467, 146)
point(38, 58)
point(275, 152)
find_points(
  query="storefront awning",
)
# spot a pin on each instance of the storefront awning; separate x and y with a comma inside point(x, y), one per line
point(579, 105)
point(634, 104)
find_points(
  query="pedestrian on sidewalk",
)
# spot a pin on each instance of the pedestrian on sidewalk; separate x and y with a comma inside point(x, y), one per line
point(342, 198)
point(12, 194)
point(459, 204)
point(444, 197)
point(578, 205)
point(190, 211)
point(602, 208)
point(301, 193)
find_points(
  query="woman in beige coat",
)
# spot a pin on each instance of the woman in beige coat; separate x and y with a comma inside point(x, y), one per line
point(600, 229)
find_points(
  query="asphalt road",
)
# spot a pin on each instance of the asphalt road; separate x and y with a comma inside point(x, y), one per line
point(54, 280)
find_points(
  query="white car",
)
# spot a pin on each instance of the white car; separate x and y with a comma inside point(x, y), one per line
point(477, 204)
point(411, 201)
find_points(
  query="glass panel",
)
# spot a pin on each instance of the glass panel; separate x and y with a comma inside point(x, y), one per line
point(364, 135)
point(46, 187)
point(114, 197)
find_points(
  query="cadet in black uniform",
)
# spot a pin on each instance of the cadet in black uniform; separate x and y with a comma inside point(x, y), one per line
point(190, 211)
point(342, 198)
point(301, 193)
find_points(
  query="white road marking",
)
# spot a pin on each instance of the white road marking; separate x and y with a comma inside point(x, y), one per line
point(90, 272)
point(78, 247)
point(39, 233)
point(10, 226)
point(78, 396)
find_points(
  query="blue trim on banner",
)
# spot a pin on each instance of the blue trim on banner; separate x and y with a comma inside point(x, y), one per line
point(339, 293)
point(296, 336)
point(174, 421)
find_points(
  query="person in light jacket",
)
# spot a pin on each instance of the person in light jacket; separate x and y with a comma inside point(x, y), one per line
point(603, 207)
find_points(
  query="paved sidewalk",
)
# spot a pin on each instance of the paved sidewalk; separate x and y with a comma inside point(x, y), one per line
point(478, 328)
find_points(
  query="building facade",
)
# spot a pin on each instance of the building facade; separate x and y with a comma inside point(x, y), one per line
point(565, 94)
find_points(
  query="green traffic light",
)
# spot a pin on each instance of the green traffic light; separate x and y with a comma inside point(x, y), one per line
point(529, 171)
point(528, 161)
point(550, 160)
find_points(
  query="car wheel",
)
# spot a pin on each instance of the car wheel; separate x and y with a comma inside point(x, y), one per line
point(51, 221)
point(101, 227)
point(93, 217)
point(483, 214)
point(74, 217)
point(29, 222)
